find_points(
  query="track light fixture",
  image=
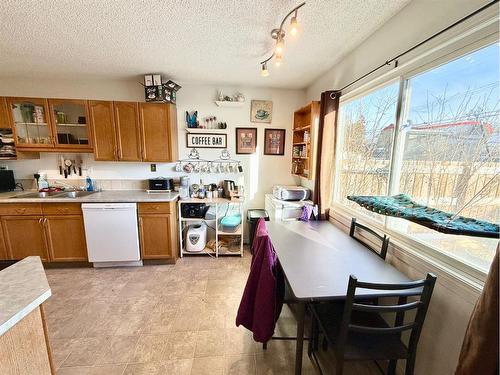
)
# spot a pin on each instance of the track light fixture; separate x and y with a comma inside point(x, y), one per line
point(264, 72)
point(279, 35)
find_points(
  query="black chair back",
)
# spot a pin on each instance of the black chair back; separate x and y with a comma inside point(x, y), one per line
point(423, 293)
point(382, 252)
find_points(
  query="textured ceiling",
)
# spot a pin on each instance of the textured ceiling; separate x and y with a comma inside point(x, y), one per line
point(211, 41)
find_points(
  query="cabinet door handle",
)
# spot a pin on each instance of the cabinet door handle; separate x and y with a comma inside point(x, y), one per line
point(63, 209)
point(21, 210)
point(40, 221)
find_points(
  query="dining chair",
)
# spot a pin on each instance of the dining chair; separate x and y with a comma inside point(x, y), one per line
point(382, 251)
point(358, 332)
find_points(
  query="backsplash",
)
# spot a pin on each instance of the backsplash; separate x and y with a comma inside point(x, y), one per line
point(102, 184)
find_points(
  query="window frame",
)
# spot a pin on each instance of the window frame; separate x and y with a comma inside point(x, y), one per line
point(473, 39)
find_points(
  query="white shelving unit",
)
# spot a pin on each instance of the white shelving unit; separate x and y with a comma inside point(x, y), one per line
point(205, 130)
point(228, 104)
point(213, 225)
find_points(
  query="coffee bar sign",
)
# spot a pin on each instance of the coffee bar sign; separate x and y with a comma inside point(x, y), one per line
point(202, 140)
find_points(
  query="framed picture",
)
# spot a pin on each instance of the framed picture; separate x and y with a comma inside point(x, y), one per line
point(261, 111)
point(203, 140)
point(274, 141)
point(246, 140)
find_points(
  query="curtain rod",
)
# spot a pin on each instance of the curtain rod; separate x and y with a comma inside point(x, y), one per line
point(388, 62)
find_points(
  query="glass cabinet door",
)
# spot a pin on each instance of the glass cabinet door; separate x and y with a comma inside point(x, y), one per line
point(31, 122)
point(70, 119)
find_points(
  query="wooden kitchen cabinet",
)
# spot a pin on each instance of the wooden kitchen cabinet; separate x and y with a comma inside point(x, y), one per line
point(158, 132)
point(128, 135)
point(158, 231)
point(65, 238)
point(24, 236)
point(103, 130)
point(53, 231)
point(31, 123)
point(3, 249)
point(70, 119)
point(4, 115)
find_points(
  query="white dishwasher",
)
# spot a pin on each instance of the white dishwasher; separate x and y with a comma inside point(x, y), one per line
point(112, 234)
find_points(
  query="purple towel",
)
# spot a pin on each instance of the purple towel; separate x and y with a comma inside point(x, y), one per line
point(306, 213)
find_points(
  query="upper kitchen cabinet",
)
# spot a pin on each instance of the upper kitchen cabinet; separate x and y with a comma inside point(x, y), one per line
point(70, 122)
point(30, 122)
point(128, 134)
point(103, 130)
point(159, 132)
point(116, 130)
point(4, 115)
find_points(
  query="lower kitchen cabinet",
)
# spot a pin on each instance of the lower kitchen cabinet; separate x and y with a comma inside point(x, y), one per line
point(158, 231)
point(65, 238)
point(3, 250)
point(55, 232)
point(24, 236)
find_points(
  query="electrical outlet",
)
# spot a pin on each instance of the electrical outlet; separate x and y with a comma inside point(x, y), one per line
point(153, 167)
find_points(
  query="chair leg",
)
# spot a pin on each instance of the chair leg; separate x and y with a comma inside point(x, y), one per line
point(391, 368)
point(310, 344)
point(316, 335)
point(339, 365)
point(264, 346)
point(410, 365)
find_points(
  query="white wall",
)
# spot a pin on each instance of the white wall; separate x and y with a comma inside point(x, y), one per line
point(260, 172)
point(454, 295)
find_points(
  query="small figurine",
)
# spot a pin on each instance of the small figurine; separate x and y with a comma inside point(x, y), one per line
point(192, 121)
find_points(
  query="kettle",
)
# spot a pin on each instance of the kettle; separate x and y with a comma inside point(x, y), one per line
point(229, 186)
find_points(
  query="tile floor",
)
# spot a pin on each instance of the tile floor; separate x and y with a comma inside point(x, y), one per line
point(161, 319)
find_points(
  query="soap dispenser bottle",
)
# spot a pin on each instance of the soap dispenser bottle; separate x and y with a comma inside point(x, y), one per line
point(89, 186)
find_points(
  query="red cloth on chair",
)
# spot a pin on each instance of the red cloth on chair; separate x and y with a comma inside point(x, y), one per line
point(262, 298)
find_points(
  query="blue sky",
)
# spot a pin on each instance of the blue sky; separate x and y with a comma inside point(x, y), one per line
point(477, 71)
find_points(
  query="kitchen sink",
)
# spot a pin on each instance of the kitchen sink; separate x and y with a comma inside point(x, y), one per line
point(42, 194)
point(75, 194)
point(55, 194)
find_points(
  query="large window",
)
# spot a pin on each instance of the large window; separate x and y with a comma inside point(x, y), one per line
point(447, 153)
point(366, 144)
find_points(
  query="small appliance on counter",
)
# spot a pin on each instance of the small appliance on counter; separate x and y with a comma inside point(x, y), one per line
point(184, 187)
point(196, 238)
point(7, 181)
point(282, 210)
point(160, 185)
point(290, 193)
point(194, 210)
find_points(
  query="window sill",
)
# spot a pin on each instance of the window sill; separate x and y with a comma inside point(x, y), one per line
point(416, 255)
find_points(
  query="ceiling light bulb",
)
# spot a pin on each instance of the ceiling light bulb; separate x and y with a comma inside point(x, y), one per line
point(294, 26)
point(264, 72)
point(279, 47)
point(278, 59)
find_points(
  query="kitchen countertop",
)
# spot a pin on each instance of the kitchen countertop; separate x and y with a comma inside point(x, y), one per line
point(23, 287)
point(98, 197)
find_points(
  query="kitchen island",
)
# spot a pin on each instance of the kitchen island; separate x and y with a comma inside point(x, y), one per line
point(24, 345)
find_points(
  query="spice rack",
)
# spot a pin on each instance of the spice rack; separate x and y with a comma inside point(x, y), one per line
point(305, 129)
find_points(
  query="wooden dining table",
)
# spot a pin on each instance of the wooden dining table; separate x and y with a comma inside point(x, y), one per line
point(317, 259)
